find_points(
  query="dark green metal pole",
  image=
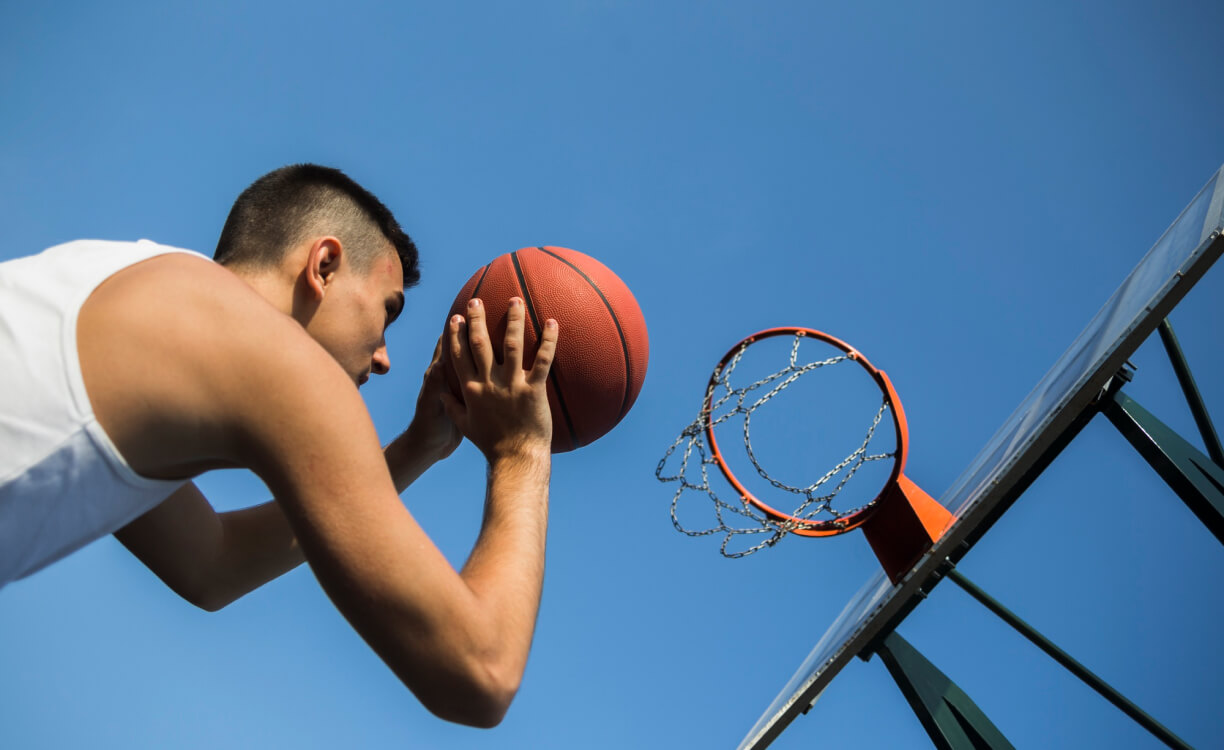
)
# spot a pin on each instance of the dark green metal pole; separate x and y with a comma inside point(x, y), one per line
point(1190, 388)
point(1062, 657)
point(1196, 479)
point(950, 717)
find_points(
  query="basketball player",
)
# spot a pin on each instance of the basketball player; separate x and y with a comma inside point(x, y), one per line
point(127, 369)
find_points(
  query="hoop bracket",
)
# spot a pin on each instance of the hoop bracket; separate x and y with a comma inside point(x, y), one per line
point(906, 523)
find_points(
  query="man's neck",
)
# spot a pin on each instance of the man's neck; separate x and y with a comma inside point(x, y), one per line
point(269, 284)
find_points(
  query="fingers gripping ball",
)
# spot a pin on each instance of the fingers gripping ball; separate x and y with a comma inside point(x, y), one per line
point(601, 356)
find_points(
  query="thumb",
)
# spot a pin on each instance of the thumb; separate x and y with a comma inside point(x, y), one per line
point(455, 409)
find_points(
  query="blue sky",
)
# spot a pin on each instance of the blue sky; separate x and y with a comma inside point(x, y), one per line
point(954, 187)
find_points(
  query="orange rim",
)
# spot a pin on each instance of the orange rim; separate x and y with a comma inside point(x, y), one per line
point(807, 527)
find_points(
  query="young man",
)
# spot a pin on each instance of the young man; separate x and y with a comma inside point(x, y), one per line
point(127, 369)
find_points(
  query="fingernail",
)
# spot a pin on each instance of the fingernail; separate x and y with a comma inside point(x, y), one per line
point(473, 303)
point(550, 324)
point(456, 319)
point(515, 302)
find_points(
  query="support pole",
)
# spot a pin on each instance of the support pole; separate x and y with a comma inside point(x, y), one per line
point(1157, 729)
point(1195, 400)
point(1196, 479)
point(950, 717)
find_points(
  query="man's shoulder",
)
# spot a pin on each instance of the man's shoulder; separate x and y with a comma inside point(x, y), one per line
point(179, 282)
point(194, 310)
point(177, 351)
point(99, 251)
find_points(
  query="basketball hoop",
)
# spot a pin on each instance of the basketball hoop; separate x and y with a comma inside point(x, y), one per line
point(900, 522)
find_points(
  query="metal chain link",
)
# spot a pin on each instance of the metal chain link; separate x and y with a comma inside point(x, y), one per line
point(754, 522)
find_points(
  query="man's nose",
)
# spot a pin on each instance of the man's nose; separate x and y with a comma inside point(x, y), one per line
point(380, 364)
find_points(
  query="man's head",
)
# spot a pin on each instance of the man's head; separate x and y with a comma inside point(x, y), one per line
point(289, 205)
point(323, 249)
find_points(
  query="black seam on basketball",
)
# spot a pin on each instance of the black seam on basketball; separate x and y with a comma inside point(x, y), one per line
point(535, 323)
point(624, 344)
point(483, 273)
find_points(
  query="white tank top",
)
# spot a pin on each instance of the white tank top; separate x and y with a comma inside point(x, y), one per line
point(62, 482)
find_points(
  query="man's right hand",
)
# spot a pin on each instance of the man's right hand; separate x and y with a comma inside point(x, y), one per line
point(504, 409)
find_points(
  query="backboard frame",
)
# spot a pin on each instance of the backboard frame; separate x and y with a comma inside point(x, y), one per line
point(986, 491)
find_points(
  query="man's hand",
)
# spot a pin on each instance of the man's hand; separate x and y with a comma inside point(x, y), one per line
point(431, 436)
point(504, 409)
point(432, 432)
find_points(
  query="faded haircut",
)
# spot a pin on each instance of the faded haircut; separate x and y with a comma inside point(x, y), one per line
point(291, 204)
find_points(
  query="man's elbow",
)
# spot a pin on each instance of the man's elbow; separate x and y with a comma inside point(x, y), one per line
point(476, 715)
point(480, 700)
point(210, 603)
point(209, 598)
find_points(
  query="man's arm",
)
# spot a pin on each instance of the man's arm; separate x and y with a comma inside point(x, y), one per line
point(189, 370)
point(209, 558)
point(212, 559)
point(459, 641)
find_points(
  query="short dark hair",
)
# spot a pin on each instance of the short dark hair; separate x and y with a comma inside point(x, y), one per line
point(292, 203)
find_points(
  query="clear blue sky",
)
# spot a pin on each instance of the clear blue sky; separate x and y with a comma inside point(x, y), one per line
point(954, 187)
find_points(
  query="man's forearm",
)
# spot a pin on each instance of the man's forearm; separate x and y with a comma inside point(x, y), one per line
point(506, 567)
point(258, 543)
point(259, 546)
point(210, 558)
point(407, 460)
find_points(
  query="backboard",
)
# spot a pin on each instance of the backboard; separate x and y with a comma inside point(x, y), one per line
point(1040, 427)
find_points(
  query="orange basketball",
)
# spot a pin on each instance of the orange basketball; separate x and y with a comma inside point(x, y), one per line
point(603, 347)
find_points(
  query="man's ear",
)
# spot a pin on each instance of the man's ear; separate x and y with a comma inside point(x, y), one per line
point(322, 264)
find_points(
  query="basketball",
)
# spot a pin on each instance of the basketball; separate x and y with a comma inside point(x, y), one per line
point(602, 350)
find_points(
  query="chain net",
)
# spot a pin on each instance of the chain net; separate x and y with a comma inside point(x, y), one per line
point(693, 461)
